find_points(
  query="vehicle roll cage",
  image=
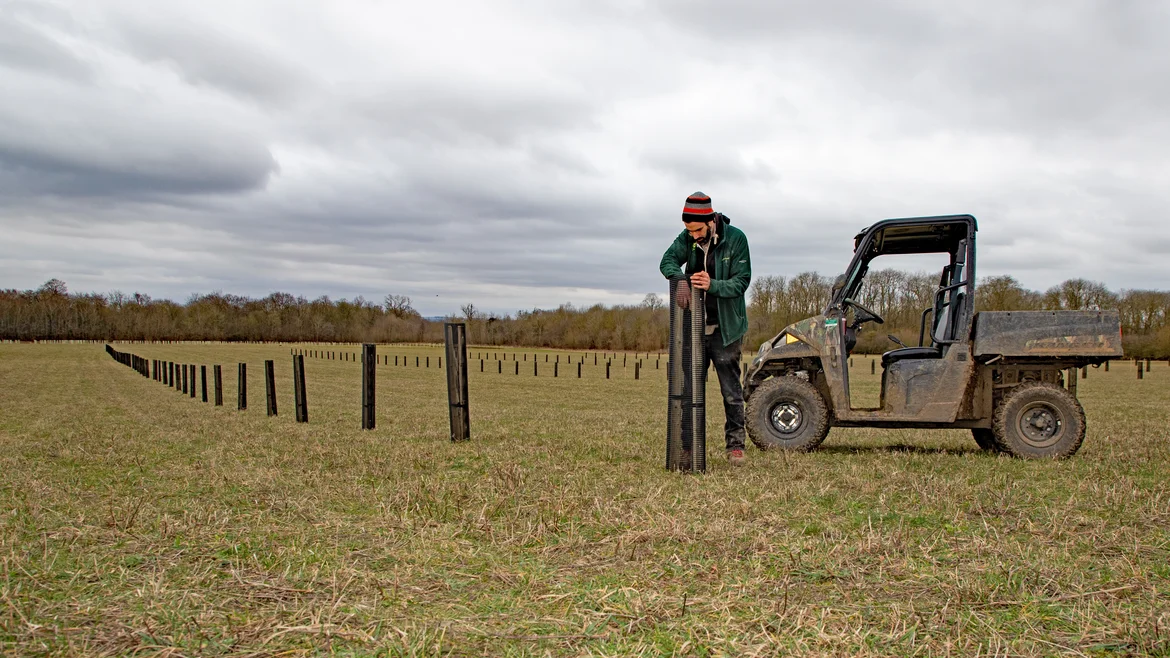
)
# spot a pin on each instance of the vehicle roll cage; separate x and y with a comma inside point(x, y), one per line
point(954, 235)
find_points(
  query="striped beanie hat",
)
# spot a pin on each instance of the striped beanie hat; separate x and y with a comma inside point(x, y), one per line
point(698, 208)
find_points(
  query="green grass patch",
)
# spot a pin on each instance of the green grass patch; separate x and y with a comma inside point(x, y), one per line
point(138, 521)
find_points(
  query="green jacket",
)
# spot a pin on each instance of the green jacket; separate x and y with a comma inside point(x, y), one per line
point(729, 281)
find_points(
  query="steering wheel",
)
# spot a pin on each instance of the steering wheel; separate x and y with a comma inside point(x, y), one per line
point(865, 314)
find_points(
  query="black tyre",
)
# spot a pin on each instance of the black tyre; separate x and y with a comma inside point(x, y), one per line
point(788, 413)
point(1037, 420)
point(985, 438)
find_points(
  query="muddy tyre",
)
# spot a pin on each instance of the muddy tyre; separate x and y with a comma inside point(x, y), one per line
point(787, 413)
point(985, 438)
point(1038, 420)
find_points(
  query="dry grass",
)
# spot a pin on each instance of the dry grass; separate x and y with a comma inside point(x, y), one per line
point(140, 522)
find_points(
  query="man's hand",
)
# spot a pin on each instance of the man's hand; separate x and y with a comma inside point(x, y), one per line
point(701, 280)
point(682, 295)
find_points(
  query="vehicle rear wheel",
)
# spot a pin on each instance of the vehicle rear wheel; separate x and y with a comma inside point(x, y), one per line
point(788, 413)
point(985, 438)
point(1037, 420)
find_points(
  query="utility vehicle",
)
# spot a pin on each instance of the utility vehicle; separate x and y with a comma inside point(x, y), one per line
point(1008, 376)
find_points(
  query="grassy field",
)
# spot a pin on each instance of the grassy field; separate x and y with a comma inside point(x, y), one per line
point(137, 521)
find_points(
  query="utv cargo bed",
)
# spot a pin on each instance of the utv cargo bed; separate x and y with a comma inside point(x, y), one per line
point(1048, 334)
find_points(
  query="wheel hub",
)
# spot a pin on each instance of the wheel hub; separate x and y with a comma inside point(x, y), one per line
point(786, 417)
point(1040, 425)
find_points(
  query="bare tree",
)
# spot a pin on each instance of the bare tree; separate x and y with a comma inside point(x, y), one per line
point(399, 306)
point(54, 288)
point(652, 301)
point(766, 292)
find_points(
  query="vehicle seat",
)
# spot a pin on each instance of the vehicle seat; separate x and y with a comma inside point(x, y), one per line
point(910, 353)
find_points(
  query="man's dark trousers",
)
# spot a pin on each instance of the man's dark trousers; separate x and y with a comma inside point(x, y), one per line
point(727, 367)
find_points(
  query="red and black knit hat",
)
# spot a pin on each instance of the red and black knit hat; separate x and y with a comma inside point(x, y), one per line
point(698, 208)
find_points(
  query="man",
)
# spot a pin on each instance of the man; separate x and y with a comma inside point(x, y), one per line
point(717, 261)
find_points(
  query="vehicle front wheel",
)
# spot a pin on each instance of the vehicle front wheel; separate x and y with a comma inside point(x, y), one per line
point(788, 413)
point(1038, 419)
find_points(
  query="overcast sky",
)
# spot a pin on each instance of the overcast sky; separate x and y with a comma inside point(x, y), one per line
point(526, 153)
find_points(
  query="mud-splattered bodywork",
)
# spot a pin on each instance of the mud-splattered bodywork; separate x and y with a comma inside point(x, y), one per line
point(1049, 334)
point(798, 347)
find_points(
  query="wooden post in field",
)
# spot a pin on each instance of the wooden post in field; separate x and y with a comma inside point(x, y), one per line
point(872, 367)
point(1147, 365)
point(578, 370)
point(218, 374)
point(517, 363)
point(1106, 366)
point(1139, 368)
point(368, 374)
point(192, 381)
point(455, 339)
point(270, 385)
point(203, 380)
point(556, 368)
point(534, 365)
point(300, 395)
point(184, 378)
point(607, 364)
point(242, 388)
point(500, 367)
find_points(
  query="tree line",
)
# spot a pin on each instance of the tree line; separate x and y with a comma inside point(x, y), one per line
point(51, 312)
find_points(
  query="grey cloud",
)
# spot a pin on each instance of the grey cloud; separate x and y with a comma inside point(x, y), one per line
point(123, 144)
point(1050, 68)
point(25, 170)
point(205, 56)
point(452, 113)
point(27, 48)
point(72, 133)
point(704, 166)
point(802, 19)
